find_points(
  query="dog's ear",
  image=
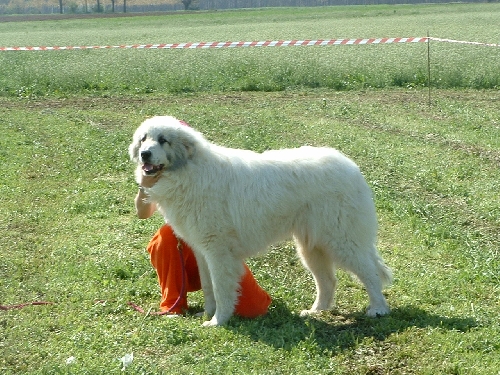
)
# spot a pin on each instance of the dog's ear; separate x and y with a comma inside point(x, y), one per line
point(133, 149)
point(190, 147)
point(187, 138)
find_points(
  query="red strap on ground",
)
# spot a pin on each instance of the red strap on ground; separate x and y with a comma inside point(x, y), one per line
point(183, 286)
point(21, 305)
point(141, 310)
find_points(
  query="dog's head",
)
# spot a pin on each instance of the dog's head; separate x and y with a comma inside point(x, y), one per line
point(162, 143)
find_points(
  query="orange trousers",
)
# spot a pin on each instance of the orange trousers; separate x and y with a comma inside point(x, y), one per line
point(253, 301)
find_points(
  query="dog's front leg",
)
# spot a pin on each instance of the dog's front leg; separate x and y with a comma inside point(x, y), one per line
point(206, 285)
point(225, 272)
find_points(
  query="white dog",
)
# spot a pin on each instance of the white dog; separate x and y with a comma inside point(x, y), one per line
point(230, 204)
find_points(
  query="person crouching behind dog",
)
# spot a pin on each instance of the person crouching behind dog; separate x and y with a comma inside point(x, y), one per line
point(168, 253)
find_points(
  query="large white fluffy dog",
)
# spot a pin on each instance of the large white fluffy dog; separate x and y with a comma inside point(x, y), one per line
point(230, 204)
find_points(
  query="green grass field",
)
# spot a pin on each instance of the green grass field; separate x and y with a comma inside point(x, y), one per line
point(257, 69)
point(70, 237)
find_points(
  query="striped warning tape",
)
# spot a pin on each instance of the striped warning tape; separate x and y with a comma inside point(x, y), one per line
point(266, 43)
point(465, 42)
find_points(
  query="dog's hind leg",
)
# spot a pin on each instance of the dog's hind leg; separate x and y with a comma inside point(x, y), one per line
point(378, 304)
point(374, 274)
point(225, 272)
point(323, 272)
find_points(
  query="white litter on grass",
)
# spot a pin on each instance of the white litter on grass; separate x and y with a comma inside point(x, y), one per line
point(70, 360)
point(126, 360)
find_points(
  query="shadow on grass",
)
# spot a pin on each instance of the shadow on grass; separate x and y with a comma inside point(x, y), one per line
point(282, 329)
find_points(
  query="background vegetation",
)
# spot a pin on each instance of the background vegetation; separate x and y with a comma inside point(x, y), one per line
point(121, 6)
point(70, 237)
point(255, 69)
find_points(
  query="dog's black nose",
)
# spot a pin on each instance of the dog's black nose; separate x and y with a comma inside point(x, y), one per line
point(145, 155)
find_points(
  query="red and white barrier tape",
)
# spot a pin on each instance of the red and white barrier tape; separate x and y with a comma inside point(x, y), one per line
point(465, 42)
point(266, 43)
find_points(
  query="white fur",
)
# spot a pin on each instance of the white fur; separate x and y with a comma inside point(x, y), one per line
point(230, 204)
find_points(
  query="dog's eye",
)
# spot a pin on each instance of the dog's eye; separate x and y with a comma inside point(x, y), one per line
point(143, 138)
point(162, 140)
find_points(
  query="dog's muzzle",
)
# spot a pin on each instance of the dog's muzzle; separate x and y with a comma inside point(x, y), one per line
point(145, 156)
point(148, 168)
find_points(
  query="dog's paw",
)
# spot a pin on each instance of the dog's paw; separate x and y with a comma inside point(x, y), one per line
point(305, 313)
point(211, 323)
point(373, 312)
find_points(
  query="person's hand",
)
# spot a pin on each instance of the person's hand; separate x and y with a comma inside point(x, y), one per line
point(148, 181)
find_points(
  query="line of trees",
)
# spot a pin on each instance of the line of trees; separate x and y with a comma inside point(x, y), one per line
point(88, 6)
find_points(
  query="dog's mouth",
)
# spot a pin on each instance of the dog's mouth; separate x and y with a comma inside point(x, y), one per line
point(151, 169)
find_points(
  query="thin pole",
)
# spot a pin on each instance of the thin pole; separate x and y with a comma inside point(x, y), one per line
point(429, 66)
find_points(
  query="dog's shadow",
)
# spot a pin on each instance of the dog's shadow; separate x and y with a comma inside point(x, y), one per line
point(281, 328)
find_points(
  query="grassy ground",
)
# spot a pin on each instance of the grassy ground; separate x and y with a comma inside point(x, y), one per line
point(70, 237)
